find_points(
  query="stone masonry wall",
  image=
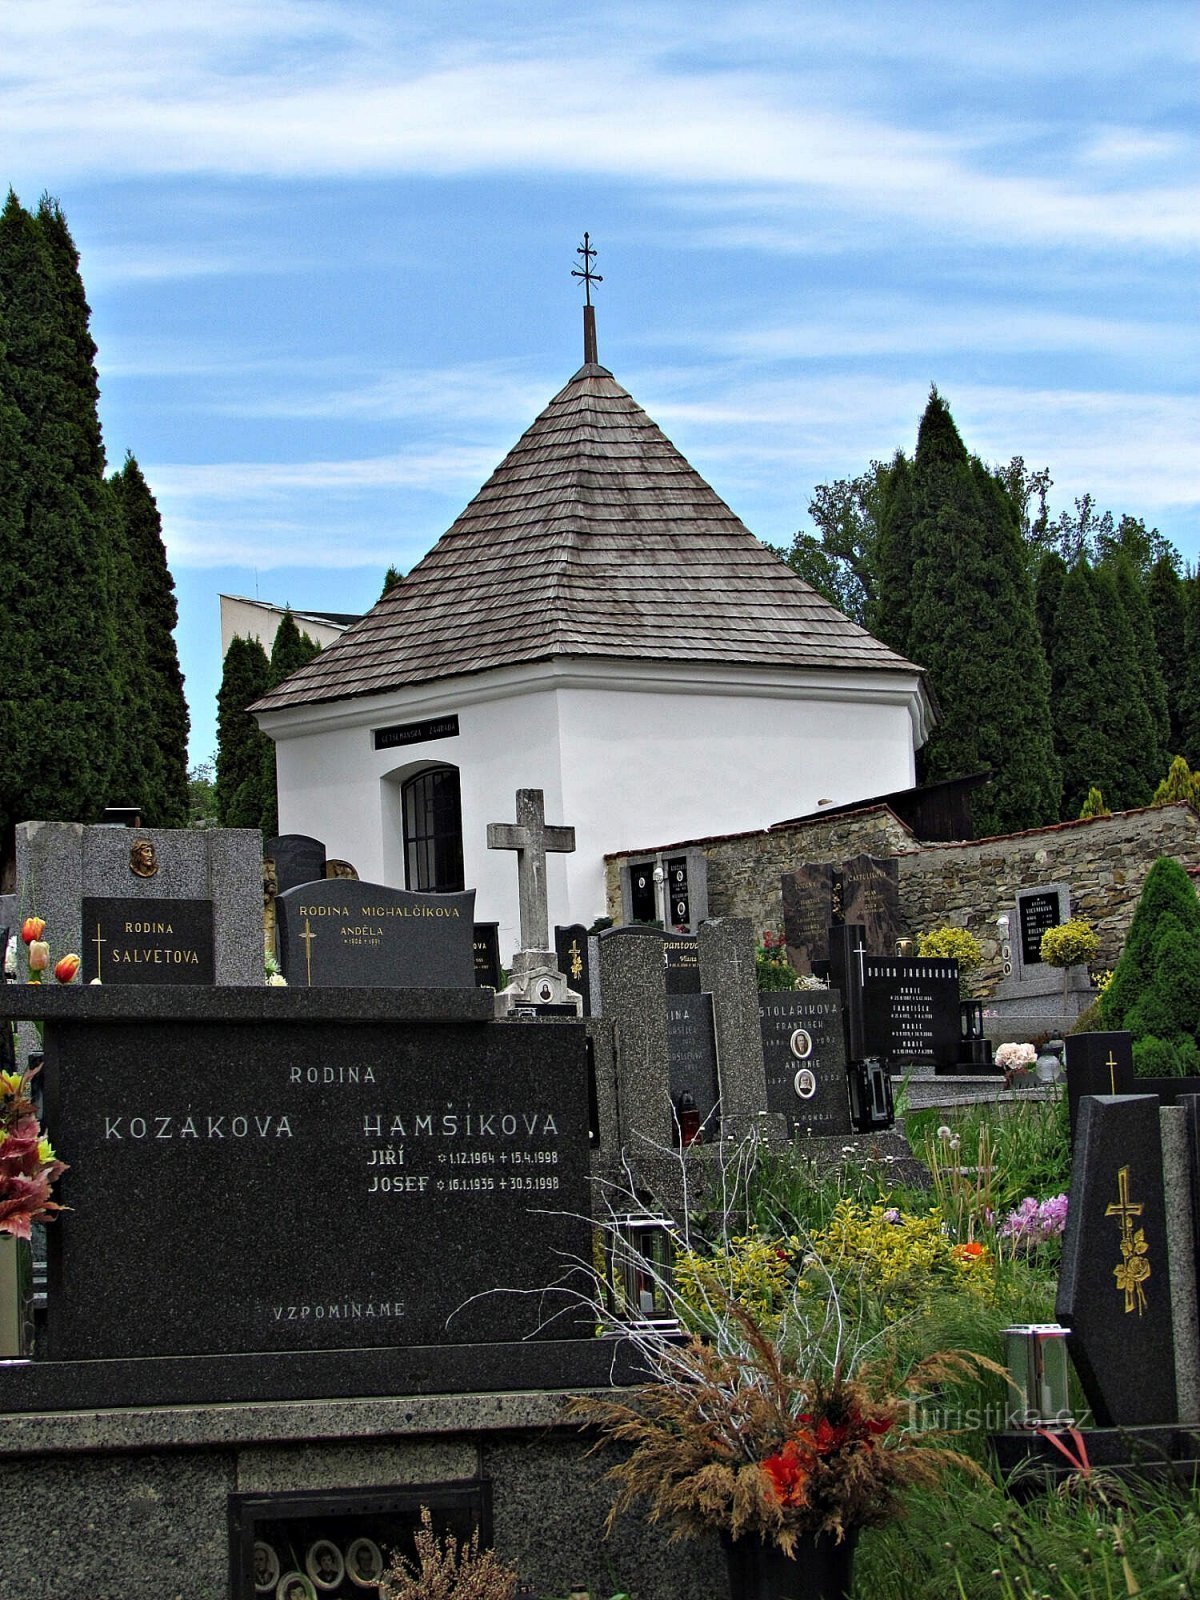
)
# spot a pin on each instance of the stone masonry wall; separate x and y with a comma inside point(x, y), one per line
point(1104, 860)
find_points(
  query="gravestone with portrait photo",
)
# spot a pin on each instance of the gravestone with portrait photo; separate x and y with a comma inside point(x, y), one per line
point(804, 1058)
point(342, 933)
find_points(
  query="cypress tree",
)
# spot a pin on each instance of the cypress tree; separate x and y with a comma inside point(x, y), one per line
point(289, 652)
point(1189, 694)
point(956, 598)
point(1131, 592)
point(59, 715)
point(1168, 615)
point(1130, 721)
point(242, 750)
point(164, 736)
point(1051, 575)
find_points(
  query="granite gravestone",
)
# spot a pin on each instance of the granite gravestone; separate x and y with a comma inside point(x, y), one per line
point(681, 961)
point(692, 1056)
point(59, 864)
point(307, 1185)
point(1037, 911)
point(910, 1010)
point(486, 946)
point(298, 859)
point(139, 941)
point(574, 962)
point(1114, 1290)
point(1098, 1063)
point(804, 1057)
point(341, 933)
point(809, 912)
point(870, 898)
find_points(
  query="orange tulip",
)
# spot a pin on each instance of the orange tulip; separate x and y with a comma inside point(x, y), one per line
point(66, 968)
point(33, 928)
point(39, 955)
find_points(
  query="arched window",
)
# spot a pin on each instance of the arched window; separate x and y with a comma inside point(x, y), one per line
point(433, 857)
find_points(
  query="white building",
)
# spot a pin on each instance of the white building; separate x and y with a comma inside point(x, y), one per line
point(598, 624)
point(243, 618)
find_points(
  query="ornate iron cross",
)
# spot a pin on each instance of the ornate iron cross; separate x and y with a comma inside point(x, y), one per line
point(585, 272)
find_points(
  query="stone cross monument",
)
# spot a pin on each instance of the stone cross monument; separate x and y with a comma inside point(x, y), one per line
point(535, 978)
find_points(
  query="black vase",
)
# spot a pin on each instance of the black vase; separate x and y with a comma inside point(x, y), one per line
point(821, 1569)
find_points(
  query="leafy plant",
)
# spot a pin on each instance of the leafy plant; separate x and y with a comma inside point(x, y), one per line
point(771, 964)
point(952, 944)
point(1071, 944)
point(448, 1569)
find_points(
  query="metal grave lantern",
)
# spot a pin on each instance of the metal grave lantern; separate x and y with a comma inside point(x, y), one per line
point(1039, 1376)
point(970, 1018)
point(640, 1254)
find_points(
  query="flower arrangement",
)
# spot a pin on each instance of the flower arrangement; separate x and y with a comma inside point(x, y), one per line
point(37, 951)
point(753, 1436)
point(28, 1165)
point(273, 973)
point(1071, 944)
point(1034, 1222)
point(1015, 1058)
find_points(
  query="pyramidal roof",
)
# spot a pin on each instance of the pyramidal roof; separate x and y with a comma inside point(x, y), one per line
point(593, 537)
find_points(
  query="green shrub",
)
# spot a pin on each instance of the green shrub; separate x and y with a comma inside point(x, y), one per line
point(951, 944)
point(1071, 944)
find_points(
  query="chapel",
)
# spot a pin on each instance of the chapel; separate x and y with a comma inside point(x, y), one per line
point(598, 624)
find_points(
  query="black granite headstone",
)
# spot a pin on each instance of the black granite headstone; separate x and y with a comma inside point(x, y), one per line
point(1037, 911)
point(847, 966)
point(292, 1186)
point(692, 1054)
point(1114, 1288)
point(804, 1056)
point(1098, 1063)
point(808, 912)
point(486, 945)
point(340, 933)
point(571, 948)
point(910, 1010)
point(298, 859)
point(871, 898)
point(681, 958)
point(147, 941)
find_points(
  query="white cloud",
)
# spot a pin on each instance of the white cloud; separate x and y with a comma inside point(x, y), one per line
point(312, 91)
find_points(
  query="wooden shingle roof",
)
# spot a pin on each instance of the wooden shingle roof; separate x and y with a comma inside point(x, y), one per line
point(593, 537)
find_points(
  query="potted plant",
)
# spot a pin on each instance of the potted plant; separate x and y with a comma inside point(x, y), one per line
point(769, 1430)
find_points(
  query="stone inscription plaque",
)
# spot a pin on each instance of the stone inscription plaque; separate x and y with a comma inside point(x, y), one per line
point(910, 1010)
point(285, 1186)
point(804, 1056)
point(341, 933)
point(147, 941)
point(871, 897)
point(692, 1054)
point(485, 944)
point(681, 958)
point(1036, 913)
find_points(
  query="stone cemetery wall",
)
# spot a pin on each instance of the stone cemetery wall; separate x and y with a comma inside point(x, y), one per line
point(1104, 860)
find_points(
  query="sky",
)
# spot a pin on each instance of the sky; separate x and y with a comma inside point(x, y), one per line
point(328, 248)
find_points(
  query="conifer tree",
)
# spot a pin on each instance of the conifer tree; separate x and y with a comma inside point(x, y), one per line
point(1168, 617)
point(289, 652)
point(1131, 592)
point(1051, 575)
point(1130, 722)
point(242, 750)
point(58, 649)
point(955, 597)
point(1155, 986)
point(1189, 694)
point(162, 741)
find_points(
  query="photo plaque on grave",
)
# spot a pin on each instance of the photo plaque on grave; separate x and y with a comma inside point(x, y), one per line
point(804, 1057)
point(147, 941)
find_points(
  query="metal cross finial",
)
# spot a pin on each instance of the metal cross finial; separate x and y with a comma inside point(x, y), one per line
point(585, 272)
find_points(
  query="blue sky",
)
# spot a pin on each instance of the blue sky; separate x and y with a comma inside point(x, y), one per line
point(328, 246)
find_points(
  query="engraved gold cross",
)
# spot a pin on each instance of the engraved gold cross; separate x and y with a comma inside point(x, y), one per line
point(1133, 1269)
point(308, 936)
